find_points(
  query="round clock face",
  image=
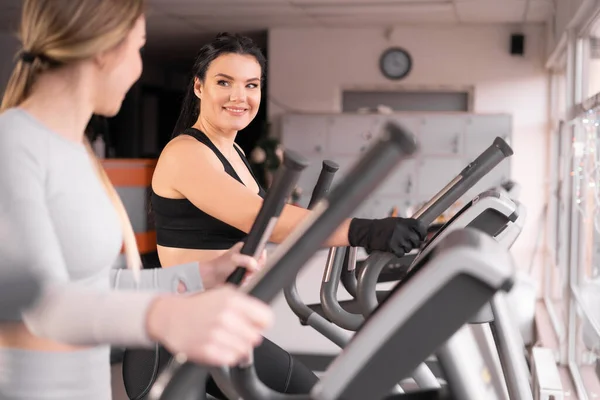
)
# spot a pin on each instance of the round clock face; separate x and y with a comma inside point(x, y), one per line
point(395, 63)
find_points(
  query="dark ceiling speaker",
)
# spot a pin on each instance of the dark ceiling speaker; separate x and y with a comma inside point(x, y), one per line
point(517, 44)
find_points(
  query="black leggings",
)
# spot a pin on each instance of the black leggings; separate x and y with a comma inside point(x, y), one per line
point(274, 366)
point(278, 370)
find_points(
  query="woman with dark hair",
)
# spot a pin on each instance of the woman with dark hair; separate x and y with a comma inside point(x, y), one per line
point(205, 197)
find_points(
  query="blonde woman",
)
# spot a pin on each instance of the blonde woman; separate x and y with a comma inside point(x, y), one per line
point(61, 218)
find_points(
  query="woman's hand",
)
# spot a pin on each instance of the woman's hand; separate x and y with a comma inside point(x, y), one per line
point(216, 271)
point(391, 235)
point(217, 327)
point(262, 261)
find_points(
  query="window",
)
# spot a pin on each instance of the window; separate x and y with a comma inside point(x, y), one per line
point(434, 101)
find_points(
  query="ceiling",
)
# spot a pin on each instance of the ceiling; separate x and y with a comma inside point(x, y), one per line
point(174, 23)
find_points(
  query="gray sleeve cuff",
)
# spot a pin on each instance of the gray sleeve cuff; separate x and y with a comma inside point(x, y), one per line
point(159, 279)
point(80, 316)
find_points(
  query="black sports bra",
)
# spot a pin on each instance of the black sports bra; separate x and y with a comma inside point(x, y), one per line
point(181, 224)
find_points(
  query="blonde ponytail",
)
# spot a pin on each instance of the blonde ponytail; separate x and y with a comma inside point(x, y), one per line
point(132, 253)
point(59, 32)
point(20, 83)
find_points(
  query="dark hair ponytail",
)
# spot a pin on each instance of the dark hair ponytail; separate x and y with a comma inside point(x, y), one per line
point(224, 43)
point(190, 109)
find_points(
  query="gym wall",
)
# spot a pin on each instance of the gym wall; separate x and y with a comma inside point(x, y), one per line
point(310, 68)
point(8, 48)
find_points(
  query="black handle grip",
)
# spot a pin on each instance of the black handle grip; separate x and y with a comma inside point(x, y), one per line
point(320, 190)
point(395, 144)
point(283, 184)
point(400, 137)
point(468, 177)
point(323, 184)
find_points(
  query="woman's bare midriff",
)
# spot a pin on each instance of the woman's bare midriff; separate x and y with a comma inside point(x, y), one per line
point(15, 335)
point(171, 256)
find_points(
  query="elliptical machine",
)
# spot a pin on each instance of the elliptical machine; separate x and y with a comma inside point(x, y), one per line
point(460, 269)
point(362, 285)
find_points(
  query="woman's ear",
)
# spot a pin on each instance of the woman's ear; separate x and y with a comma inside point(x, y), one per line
point(197, 87)
point(108, 58)
point(100, 60)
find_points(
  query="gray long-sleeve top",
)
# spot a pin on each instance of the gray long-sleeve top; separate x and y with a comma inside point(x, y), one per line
point(57, 220)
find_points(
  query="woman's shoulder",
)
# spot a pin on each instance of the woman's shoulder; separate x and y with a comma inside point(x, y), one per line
point(184, 150)
point(182, 145)
point(18, 128)
point(21, 134)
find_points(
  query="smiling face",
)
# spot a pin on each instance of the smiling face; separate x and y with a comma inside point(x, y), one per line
point(230, 93)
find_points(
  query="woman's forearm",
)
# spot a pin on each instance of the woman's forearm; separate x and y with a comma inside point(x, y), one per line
point(292, 217)
point(77, 315)
point(177, 279)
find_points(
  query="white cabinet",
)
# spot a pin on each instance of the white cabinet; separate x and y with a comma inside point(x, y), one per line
point(481, 130)
point(401, 182)
point(376, 207)
point(382, 207)
point(433, 173)
point(412, 123)
point(346, 163)
point(353, 134)
point(309, 176)
point(307, 136)
point(442, 135)
point(365, 210)
point(447, 143)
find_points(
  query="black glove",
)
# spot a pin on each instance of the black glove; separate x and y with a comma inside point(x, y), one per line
point(391, 235)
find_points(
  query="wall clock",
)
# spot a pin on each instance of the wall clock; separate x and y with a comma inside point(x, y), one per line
point(395, 63)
